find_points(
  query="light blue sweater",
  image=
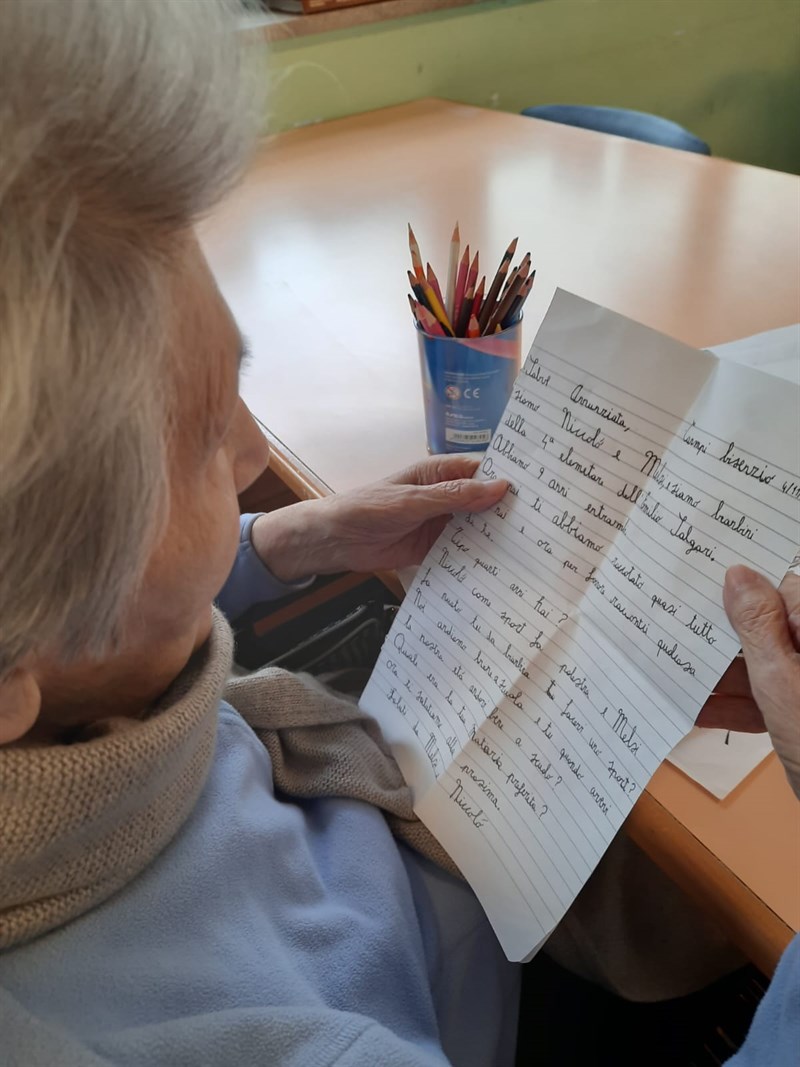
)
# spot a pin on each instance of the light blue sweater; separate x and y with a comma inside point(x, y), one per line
point(268, 932)
point(774, 1037)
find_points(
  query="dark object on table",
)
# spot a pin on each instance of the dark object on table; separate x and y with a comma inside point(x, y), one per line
point(635, 125)
point(312, 7)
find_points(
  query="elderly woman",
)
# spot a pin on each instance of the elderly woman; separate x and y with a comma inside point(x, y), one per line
point(191, 873)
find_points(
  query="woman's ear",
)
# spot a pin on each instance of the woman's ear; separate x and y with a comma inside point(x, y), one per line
point(20, 701)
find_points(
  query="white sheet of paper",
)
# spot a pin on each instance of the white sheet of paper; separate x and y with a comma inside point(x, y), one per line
point(552, 652)
point(716, 759)
point(774, 351)
point(720, 759)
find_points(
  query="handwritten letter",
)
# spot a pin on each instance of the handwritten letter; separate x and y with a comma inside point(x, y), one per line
point(554, 650)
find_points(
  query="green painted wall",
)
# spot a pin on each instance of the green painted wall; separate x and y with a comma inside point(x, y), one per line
point(726, 69)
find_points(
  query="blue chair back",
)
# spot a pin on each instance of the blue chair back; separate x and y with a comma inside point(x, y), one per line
point(635, 125)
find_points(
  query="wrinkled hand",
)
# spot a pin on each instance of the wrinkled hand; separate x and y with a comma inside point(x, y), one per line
point(768, 624)
point(732, 705)
point(383, 526)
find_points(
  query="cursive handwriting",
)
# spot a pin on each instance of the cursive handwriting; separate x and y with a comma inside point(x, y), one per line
point(532, 369)
point(593, 439)
point(684, 532)
point(587, 470)
point(504, 446)
point(482, 784)
point(735, 523)
point(609, 414)
point(631, 616)
point(569, 525)
point(671, 651)
point(752, 470)
point(599, 512)
point(475, 815)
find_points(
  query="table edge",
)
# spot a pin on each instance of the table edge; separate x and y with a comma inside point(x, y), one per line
point(718, 891)
point(291, 470)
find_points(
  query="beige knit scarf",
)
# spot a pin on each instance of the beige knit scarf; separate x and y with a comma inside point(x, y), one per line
point(79, 821)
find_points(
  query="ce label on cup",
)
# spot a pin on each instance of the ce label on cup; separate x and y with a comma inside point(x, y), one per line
point(472, 394)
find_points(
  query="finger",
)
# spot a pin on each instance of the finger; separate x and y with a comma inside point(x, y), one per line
point(459, 494)
point(758, 614)
point(731, 713)
point(735, 681)
point(790, 593)
point(436, 469)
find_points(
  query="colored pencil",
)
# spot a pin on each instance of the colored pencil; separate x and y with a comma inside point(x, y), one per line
point(469, 296)
point(425, 294)
point(416, 258)
point(511, 276)
point(473, 330)
point(416, 287)
point(512, 314)
point(512, 291)
point(430, 324)
point(452, 267)
point(491, 318)
point(516, 308)
point(466, 310)
point(476, 303)
point(414, 307)
point(494, 288)
point(433, 282)
point(419, 293)
point(436, 307)
point(461, 284)
point(472, 273)
point(519, 273)
point(505, 303)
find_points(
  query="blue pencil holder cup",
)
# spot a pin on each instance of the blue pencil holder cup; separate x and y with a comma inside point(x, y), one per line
point(466, 383)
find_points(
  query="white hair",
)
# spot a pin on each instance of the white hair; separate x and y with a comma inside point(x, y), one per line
point(121, 123)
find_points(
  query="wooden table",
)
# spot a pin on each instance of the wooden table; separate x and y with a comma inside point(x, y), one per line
point(311, 253)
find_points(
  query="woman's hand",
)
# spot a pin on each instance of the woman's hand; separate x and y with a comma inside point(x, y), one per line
point(732, 705)
point(383, 526)
point(767, 621)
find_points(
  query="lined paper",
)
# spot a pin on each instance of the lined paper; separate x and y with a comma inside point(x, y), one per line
point(552, 652)
point(719, 760)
